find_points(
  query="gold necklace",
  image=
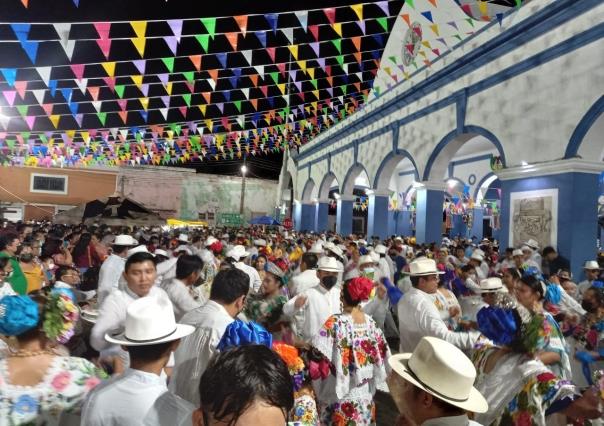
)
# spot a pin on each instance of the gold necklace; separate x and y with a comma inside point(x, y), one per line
point(25, 354)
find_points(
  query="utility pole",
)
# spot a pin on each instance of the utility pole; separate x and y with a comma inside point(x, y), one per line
point(243, 172)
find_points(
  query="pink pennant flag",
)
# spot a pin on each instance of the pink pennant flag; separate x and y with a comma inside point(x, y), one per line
point(191, 86)
point(110, 82)
point(21, 87)
point(330, 12)
point(176, 27)
point(105, 46)
point(183, 111)
point(94, 92)
point(47, 108)
point(79, 118)
point(10, 95)
point(103, 29)
point(122, 103)
point(140, 65)
point(30, 120)
point(78, 70)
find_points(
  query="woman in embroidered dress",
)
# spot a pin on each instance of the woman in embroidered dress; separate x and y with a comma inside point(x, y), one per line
point(37, 386)
point(519, 388)
point(357, 350)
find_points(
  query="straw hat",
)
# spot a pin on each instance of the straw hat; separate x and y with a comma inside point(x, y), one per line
point(423, 266)
point(591, 264)
point(492, 285)
point(328, 264)
point(532, 244)
point(138, 249)
point(150, 321)
point(124, 240)
point(237, 252)
point(442, 370)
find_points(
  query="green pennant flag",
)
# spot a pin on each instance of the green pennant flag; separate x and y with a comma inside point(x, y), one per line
point(238, 105)
point(25, 135)
point(22, 110)
point(281, 114)
point(43, 138)
point(315, 83)
point(457, 36)
point(344, 89)
point(340, 59)
point(204, 41)
point(470, 21)
point(139, 136)
point(392, 59)
point(102, 116)
point(175, 128)
point(210, 24)
point(169, 63)
point(383, 23)
point(187, 98)
point(338, 45)
point(189, 75)
point(10, 143)
point(410, 3)
point(275, 76)
point(287, 110)
point(120, 89)
point(127, 147)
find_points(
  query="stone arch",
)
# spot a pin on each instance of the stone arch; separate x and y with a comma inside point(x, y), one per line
point(310, 190)
point(388, 166)
point(487, 180)
point(444, 152)
point(452, 182)
point(326, 185)
point(587, 140)
point(354, 172)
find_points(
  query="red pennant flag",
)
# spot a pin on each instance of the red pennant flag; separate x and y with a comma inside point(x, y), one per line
point(281, 67)
point(271, 53)
point(468, 9)
point(206, 96)
point(190, 86)
point(264, 90)
point(328, 70)
point(123, 115)
point(330, 12)
point(314, 30)
point(242, 22)
point(196, 60)
point(47, 108)
point(410, 48)
point(105, 46)
point(254, 79)
point(183, 111)
point(94, 92)
point(232, 38)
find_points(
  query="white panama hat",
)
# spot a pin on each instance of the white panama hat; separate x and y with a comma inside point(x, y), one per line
point(184, 238)
point(532, 244)
point(381, 249)
point(124, 240)
point(160, 252)
point(328, 264)
point(237, 252)
point(442, 370)
point(316, 248)
point(423, 266)
point(209, 241)
point(150, 321)
point(591, 264)
point(517, 252)
point(364, 260)
point(138, 249)
point(492, 285)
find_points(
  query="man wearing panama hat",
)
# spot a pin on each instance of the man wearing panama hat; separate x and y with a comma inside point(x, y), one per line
point(140, 396)
point(434, 385)
point(417, 312)
point(592, 270)
point(113, 267)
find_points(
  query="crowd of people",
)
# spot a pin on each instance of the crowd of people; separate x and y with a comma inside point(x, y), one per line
point(150, 326)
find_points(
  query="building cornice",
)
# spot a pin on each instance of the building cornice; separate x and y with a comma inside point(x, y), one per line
point(571, 165)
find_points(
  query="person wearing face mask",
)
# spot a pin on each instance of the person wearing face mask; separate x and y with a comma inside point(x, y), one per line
point(31, 269)
point(327, 272)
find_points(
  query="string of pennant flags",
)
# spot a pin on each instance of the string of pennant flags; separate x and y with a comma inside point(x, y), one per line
point(197, 89)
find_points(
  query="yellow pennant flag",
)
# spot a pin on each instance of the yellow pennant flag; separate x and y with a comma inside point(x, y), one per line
point(209, 124)
point(483, 7)
point(294, 50)
point(311, 73)
point(109, 68)
point(434, 28)
point(358, 9)
point(427, 44)
point(138, 80)
point(202, 108)
point(302, 65)
point(70, 133)
point(139, 27)
point(337, 27)
point(281, 88)
point(168, 88)
point(54, 119)
point(139, 43)
point(85, 136)
point(144, 102)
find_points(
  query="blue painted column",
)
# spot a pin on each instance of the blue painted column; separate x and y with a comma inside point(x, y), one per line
point(297, 215)
point(459, 227)
point(576, 183)
point(392, 218)
point(308, 216)
point(403, 223)
point(429, 214)
point(377, 214)
point(476, 230)
point(344, 215)
point(321, 214)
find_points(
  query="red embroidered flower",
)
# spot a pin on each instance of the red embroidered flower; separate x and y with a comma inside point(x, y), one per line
point(545, 377)
point(524, 419)
point(348, 409)
point(366, 345)
point(61, 381)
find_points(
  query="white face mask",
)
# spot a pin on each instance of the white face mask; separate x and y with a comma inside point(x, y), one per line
point(51, 266)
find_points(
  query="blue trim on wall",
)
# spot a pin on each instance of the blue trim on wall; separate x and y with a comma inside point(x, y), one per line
point(583, 127)
point(534, 26)
point(329, 162)
point(461, 106)
point(408, 172)
point(356, 151)
point(452, 136)
point(306, 187)
point(399, 152)
point(395, 134)
point(471, 159)
point(347, 177)
point(329, 175)
point(480, 182)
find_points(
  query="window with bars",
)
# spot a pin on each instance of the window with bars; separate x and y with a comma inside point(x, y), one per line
point(52, 184)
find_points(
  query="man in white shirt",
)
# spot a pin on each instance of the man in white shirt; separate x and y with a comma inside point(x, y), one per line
point(139, 396)
point(227, 299)
point(188, 269)
point(113, 267)
point(328, 270)
point(418, 315)
point(535, 255)
point(481, 267)
point(383, 264)
point(333, 251)
point(237, 253)
point(140, 274)
point(308, 277)
point(592, 271)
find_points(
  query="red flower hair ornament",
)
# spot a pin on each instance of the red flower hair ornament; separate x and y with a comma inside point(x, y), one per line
point(359, 289)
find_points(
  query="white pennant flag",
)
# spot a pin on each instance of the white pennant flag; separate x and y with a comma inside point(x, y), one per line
point(97, 105)
point(69, 48)
point(4, 121)
point(82, 84)
point(246, 92)
point(247, 54)
point(289, 33)
point(200, 130)
point(212, 83)
point(44, 73)
point(260, 70)
point(124, 133)
point(303, 18)
point(240, 120)
point(113, 131)
point(63, 30)
point(39, 94)
point(164, 112)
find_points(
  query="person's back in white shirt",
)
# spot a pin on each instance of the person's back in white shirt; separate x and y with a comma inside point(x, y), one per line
point(181, 298)
point(255, 281)
point(135, 398)
point(109, 276)
point(310, 317)
point(304, 281)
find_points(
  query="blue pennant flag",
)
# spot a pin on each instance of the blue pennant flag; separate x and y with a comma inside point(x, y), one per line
point(272, 20)
point(428, 15)
point(67, 92)
point(222, 58)
point(31, 48)
point(10, 75)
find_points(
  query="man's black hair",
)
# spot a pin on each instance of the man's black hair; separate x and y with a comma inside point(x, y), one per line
point(139, 257)
point(239, 377)
point(229, 285)
point(548, 250)
point(188, 264)
point(310, 260)
point(148, 352)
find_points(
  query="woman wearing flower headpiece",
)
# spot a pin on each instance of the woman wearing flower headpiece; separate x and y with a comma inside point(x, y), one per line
point(519, 388)
point(266, 307)
point(304, 412)
point(357, 350)
point(38, 387)
point(549, 340)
